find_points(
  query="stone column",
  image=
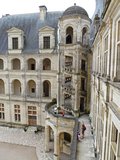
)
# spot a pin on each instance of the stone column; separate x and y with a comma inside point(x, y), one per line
point(56, 147)
point(47, 138)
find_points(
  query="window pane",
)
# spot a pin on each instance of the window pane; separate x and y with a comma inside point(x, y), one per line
point(46, 42)
point(15, 43)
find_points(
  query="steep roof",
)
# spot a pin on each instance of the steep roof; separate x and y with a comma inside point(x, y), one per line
point(29, 24)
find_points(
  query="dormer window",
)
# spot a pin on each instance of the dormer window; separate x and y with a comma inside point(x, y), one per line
point(46, 39)
point(46, 42)
point(15, 43)
point(15, 40)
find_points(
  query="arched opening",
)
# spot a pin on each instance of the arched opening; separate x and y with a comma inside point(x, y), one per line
point(1, 64)
point(46, 64)
point(16, 64)
point(31, 88)
point(65, 143)
point(2, 87)
point(69, 35)
point(84, 36)
point(31, 64)
point(46, 89)
point(49, 138)
point(16, 87)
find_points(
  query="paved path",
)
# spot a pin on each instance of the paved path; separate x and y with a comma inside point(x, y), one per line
point(85, 148)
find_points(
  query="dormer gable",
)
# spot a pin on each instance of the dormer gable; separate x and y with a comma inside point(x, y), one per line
point(15, 30)
point(15, 40)
point(46, 29)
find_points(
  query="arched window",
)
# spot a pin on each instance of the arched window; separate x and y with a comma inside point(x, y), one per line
point(31, 88)
point(46, 88)
point(31, 64)
point(2, 87)
point(1, 64)
point(16, 87)
point(69, 35)
point(46, 64)
point(16, 64)
point(84, 36)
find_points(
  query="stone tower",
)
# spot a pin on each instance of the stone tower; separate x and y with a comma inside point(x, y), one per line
point(74, 31)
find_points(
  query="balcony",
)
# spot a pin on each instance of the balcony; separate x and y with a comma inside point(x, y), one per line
point(68, 79)
point(68, 89)
point(68, 70)
point(67, 64)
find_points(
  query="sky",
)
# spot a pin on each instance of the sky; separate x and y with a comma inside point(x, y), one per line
point(32, 6)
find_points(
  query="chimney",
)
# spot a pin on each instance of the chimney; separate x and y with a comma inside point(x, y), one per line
point(43, 12)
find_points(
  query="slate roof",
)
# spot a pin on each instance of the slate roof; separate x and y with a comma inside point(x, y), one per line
point(73, 10)
point(30, 24)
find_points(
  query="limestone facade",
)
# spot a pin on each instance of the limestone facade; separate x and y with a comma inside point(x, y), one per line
point(105, 92)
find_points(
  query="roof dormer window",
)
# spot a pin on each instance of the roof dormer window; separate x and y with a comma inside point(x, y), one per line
point(46, 39)
point(15, 40)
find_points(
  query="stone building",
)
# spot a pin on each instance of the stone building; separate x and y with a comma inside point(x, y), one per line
point(28, 66)
point(105, 81)
point(73, 78)
point(46, 80)
point(45, 58)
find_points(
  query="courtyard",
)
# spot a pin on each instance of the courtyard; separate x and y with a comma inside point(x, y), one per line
point(16, 144)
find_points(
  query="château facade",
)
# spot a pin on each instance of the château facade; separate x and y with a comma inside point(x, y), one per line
point(56, 66)
point(105, 81)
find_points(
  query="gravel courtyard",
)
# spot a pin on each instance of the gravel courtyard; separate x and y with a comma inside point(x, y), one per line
point(16, 144)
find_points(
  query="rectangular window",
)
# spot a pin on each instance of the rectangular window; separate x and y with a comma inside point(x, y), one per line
point(118, 31)
point(118, 53)
point(32, 115)
point(83, 65)
point(82, 84)
point(105, 55)
point(15, 43)
point(82, 104)
point(2, 114)
point(46, 42)
point(17, 113)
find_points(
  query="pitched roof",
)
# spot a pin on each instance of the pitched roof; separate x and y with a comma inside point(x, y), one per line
point(30, 24)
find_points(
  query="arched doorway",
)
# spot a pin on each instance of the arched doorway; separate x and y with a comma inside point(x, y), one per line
point(46, 64)
point(16, 64)
point(65, 143)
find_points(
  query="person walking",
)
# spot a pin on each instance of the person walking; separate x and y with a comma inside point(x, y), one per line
point(83, 128)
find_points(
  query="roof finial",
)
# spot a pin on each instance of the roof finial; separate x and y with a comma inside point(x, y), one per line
point(74, 4)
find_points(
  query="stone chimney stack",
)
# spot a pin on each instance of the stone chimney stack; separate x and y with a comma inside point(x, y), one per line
point(43, 12)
